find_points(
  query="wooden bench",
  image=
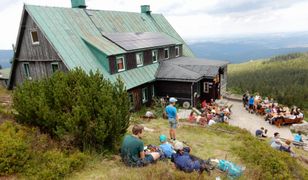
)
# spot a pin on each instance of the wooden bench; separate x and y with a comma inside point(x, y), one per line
point(284, 121)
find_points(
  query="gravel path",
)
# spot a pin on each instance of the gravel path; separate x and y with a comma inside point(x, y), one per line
point(241, 118)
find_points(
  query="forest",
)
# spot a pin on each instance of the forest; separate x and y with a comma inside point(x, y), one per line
point(284, 78)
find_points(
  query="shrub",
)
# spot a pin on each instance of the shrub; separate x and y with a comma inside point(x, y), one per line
point(14, 150)
point(84, 109)
point(26, 152)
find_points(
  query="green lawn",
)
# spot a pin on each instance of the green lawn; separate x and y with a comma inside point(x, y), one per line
point(205, 143)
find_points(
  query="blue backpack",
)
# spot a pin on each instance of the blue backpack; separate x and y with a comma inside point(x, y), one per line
point(232, 169)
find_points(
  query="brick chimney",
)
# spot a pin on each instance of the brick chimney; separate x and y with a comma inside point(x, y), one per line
point(78, 4)
point(145, 9)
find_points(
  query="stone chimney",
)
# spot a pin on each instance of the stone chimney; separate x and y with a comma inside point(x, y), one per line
point(78, 4)
point(145, 9)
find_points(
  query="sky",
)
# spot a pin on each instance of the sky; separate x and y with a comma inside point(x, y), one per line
point(194, 20)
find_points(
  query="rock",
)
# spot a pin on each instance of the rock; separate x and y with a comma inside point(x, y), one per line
point(300, 127)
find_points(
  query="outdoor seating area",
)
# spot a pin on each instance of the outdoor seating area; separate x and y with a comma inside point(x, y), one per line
point(273, 112)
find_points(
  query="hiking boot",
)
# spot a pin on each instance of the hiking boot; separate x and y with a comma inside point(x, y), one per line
point(205, 167)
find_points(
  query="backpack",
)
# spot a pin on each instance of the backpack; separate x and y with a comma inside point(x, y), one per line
point(229, 167)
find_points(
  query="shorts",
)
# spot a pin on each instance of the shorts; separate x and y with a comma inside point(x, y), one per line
point(148, 159)
point(173, 123)
point(250, 106)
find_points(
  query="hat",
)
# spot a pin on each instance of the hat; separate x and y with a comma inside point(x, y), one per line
point(162, 138)
point(172, 100)
point(178, 146)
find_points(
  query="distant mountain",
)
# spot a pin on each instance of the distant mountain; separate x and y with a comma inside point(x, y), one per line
point(241, 49)
point(5, 58)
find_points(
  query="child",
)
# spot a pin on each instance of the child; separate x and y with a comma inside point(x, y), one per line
point(165, 146)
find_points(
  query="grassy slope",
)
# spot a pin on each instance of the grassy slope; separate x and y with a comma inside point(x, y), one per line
point(205, 143)
point(284, 79)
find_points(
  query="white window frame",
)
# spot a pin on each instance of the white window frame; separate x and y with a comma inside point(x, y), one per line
point(34, 42)
point(144, 94)
point(177, 51)
point(118, 58)
point(206, 88)
point(155, 52)
point(139, 55)
point(165, 53)
point(52, 64)
point(27, 73)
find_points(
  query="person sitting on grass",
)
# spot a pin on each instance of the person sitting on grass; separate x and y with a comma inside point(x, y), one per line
point(187, 162)
point(298, 137)
point(259, 132)
point(166, 147)
point(132, 149)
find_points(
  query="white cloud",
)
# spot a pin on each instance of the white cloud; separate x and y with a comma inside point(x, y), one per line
point(192, 19)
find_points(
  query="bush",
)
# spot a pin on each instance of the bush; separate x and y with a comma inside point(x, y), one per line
point(26, 152)
point(86, 110)
point(14, 150)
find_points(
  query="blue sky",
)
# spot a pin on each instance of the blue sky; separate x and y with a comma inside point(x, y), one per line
point(194, 20)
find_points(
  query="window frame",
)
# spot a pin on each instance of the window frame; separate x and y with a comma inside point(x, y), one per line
point(32, 40)
point(165, 53)
point(144, 92)
point(206, 87)
point(156, 57)
point(124, 67)
point(177, 50)
point(52, 65)
point(27, 72)
point(153, 91)
point(142, 59)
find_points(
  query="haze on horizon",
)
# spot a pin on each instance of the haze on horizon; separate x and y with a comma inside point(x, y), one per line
point(194, 20)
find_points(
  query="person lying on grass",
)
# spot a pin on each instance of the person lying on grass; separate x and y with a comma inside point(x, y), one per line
point(187, 162)
point(132, 149)
point(166, 147)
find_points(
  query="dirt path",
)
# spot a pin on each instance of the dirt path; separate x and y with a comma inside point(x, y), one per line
point(241, 118)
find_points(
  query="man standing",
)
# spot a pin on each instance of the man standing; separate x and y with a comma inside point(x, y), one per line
point(132, 149)
point(172, 117)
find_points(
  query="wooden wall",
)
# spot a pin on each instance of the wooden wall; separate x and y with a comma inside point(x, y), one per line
point(39, 56)
point(130, 58)
point(174, 89)
point(137, 96)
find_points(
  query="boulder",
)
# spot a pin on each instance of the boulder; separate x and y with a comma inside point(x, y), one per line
point(300, 127)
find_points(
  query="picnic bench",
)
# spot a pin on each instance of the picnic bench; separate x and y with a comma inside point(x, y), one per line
point(284, 121)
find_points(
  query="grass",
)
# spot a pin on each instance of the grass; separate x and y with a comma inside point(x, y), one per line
point(206, 143)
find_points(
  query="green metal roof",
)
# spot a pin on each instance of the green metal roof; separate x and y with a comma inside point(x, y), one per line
point(74, 32)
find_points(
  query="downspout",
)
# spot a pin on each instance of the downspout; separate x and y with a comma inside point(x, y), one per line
point(192, 94)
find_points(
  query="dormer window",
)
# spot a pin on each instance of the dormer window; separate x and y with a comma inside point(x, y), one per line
point(166, 53)
point(177, 51)
point(34, 37)
point(139, 59)
point(154, 56)
point(120, 63)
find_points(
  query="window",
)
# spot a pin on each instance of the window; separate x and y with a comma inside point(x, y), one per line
point(166, 53)
point(54, 67)
point(145, 95)
point(153, 91)
point(206, 87)
point(154, 56)
point(120, 63)
point(177, 51)
point(139, 59)
point(34, 37)
point(27, 70)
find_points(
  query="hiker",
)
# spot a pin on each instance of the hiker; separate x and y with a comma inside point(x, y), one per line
point(166, 147)
point(298, 137)
point(259, 132)
point(251, 104)
point(276, 142)
point(172, 117)
point(186, 162)
point(132, 149)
